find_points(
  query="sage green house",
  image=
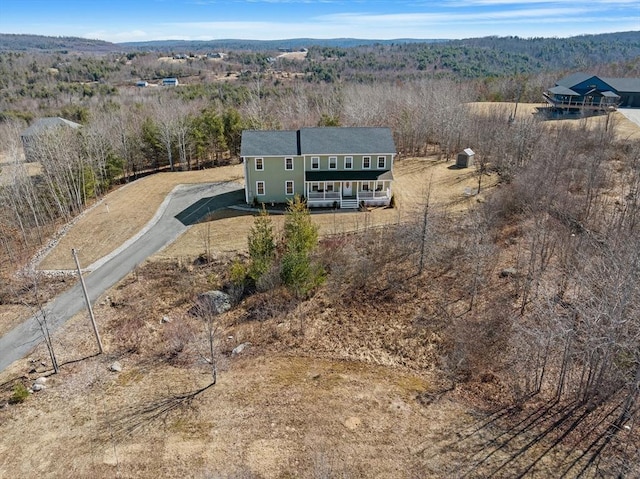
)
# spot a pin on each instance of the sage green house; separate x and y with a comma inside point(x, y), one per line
point(330, 167)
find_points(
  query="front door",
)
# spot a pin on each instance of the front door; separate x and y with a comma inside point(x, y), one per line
point(347, 188)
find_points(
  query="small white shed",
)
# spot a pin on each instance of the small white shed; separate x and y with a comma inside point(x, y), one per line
point(465, 158)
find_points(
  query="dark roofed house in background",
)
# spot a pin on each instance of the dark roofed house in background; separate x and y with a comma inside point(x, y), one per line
point(335, 166)
point(582, 93)
point(40, 128)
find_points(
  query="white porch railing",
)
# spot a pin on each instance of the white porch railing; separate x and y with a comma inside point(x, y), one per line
point(364, 195)
point(324, 195)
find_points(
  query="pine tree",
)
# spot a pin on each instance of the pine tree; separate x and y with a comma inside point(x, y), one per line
point(298, 270)
point(262, 245)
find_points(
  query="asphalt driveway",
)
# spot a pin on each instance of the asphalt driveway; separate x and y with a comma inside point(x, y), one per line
point(185, 206)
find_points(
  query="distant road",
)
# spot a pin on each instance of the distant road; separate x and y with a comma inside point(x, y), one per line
point(186, 206)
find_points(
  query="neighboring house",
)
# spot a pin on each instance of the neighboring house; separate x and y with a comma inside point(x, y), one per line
point(341, 167)
point(39, 128)
point(170, 82)
point(582, 92)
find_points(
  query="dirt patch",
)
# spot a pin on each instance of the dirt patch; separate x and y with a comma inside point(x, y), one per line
point(293, 55)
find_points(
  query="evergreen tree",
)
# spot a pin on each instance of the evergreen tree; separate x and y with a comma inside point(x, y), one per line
point(298, 270)
point(262, 245)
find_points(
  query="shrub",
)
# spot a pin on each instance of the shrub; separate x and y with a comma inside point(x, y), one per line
point(20, 393)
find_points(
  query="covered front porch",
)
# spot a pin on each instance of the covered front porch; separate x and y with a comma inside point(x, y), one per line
point(327, 189)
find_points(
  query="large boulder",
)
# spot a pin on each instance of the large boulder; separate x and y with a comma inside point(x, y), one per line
point(211, 302)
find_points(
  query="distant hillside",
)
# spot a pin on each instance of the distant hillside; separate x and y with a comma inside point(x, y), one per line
point(20, 42)
point(261, 45)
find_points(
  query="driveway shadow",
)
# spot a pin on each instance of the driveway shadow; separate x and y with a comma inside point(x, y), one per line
point(205, 206)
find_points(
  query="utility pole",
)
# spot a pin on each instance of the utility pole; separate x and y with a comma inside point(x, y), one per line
point(86, 298)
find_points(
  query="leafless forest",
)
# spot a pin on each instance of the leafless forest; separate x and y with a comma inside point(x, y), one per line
point(531, 300)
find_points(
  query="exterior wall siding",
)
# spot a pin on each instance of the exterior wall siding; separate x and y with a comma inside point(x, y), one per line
point(357, 162)
point(274, 176)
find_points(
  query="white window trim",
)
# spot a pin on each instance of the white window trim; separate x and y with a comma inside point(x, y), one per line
point(366, 167)
point(335, 162)
point(261, 162)
point(285, 164)
point(293, 189)
point(384, 162)
point(350, 167)
point(318, 164)
point(264, 188)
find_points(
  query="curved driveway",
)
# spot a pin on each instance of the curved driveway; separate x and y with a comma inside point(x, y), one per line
point(185, 206)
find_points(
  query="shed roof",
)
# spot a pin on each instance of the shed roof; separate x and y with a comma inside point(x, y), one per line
point(317, 141)
point(43, 124)
point(468, 152)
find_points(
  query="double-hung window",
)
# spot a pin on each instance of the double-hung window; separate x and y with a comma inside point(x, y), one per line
point(260, 164)
point(260, 188)
point(382, 162)
point(315, 162)
point(333, 162)
point(288, 187)
point(366, 162)
point(288, 163)
point(348, 162)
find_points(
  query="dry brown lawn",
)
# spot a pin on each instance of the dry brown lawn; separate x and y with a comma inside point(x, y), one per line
point(624, 128)
point(8, 167)
point(102, 228)
point(11, 315)
point(123, 213)
point(449, 188)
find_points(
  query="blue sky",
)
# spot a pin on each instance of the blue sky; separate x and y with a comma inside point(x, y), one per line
point(140, 20)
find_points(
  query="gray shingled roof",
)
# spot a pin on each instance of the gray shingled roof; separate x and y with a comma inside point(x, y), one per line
point(269, 143)
point(574, 79)
point(563, 90)
point(317, 141)
point(44, 124)
point(343, 140)
point(625, 85)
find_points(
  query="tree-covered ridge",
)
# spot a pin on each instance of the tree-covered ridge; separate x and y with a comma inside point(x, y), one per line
point(23, 42)
point(474, 58)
